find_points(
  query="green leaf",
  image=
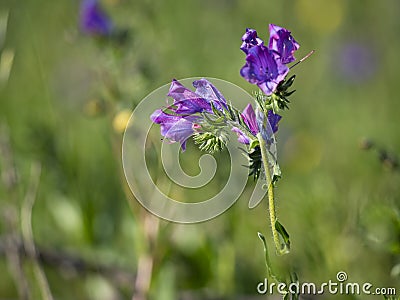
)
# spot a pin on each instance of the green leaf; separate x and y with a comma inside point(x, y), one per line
point(284, 236)
point(267, 261)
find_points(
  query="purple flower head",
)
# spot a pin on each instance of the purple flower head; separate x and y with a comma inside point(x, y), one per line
point(282, 42)
point(264, 68)
point(250, 40)
point(93, 20)
point(185, 112)
point(208, 91)
point(175, 128)
point(187, 101)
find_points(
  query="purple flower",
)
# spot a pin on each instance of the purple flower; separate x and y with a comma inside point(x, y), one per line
point(256, 125)
point(250, 40)
point(282, 42)
point(208, 91)
point(181, 122)
point(93, 20)
point(187, 101)
point(264, 68)
point(175, 128)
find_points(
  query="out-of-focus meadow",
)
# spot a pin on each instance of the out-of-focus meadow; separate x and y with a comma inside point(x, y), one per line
point(66, 97)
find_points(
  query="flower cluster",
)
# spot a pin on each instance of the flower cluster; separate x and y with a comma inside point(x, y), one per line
point(192, 112)
point(182, 119)
point(267, 66)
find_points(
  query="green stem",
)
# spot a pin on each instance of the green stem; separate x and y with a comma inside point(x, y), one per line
point(270, 191)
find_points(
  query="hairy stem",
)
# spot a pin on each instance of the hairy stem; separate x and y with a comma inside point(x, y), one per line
point(270, 192)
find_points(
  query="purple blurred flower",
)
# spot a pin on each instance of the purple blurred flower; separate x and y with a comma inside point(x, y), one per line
point(250, 40)
point(264, 68)
point(181, 122)
point(93, 20)
point(282, 42)
point(250, 119)
point(356, 62)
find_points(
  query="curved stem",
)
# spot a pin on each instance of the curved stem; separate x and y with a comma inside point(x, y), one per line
point(270, 191)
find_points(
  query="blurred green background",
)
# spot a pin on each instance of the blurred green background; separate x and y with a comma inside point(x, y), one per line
point(64, 101)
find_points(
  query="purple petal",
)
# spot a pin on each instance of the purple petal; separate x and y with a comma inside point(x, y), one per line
point(187, 101)
point(93, 20)
point(283, 43)
point(249, 118)
point(174, 128)
point(209, 92)
point(273, 120)
point(250, 39)
point(268, 127)
point(242, 138)
point(264, 68)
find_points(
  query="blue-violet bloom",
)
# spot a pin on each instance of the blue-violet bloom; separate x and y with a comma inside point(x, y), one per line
point(264, 68)
point(93, 20)
point(184, 114)
point(282, 42)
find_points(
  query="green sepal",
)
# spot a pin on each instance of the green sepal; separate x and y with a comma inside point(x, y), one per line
point(215, 110)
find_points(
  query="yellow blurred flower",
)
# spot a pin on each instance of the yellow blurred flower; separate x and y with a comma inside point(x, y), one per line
point(320, 15)
point(121, 119)
point(94, 107)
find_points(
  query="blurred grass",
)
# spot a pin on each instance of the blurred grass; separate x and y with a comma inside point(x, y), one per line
point(338, 203)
